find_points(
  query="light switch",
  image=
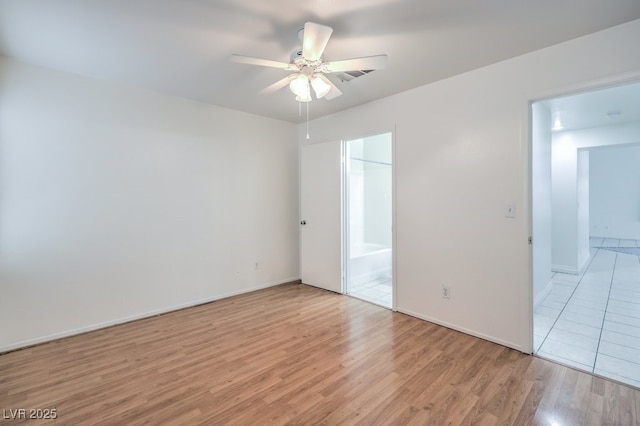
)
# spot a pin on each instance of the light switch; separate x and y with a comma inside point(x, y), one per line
point(510, 210)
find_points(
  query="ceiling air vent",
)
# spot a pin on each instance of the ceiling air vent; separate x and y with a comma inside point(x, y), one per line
point(350, 75)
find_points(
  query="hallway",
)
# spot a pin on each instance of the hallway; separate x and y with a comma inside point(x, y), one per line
point(592, 321)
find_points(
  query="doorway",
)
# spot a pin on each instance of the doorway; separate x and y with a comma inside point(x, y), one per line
point(586, 232)
point(368, 219)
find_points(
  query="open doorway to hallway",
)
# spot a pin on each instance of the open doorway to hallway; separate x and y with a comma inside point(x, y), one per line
point(586, 231)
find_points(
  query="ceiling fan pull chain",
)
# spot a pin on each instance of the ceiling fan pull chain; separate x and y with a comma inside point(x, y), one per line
point(299, 109)
point(308, 119)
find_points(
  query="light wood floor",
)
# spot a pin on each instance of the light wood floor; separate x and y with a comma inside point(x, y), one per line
point(297, 354)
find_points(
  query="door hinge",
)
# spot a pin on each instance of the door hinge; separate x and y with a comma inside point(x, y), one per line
point(530, 240)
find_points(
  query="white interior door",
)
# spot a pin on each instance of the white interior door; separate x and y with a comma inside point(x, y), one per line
point(320, 208)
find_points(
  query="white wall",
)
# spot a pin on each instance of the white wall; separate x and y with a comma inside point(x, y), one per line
point(594, 137)
point(615, 191)
point(582, 222)
point(615, 198)
point(461, 152)
point(541, 199)
point(570, 206)
point(564, 172)
point(118, 202)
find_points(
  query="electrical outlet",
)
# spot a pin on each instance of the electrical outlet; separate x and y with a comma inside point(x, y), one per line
point(446, 292)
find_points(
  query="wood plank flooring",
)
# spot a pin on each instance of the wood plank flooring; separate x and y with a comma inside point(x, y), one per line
point(294, 354)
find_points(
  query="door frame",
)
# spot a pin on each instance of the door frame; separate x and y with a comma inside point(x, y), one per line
point(531, 98)
point(343, 141)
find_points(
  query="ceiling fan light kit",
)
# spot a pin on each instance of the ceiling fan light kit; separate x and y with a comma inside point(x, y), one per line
point(320, 87)
point(308, 67)
point(300, 87)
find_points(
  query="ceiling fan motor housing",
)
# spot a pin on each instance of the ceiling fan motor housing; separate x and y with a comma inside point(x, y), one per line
point(308, 67)
point(296, 54)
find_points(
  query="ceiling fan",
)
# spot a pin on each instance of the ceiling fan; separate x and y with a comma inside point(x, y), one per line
point(308, 68)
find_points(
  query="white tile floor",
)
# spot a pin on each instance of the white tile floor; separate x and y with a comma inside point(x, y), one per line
point(592, 321)
point(377, 291)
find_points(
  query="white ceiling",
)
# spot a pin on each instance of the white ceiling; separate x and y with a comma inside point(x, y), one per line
point(182, 47)
point(603, 107)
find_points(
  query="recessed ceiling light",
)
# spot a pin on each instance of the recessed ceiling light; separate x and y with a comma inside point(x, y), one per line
point(557, 124)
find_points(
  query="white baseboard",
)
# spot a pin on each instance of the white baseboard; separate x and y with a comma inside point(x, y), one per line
point(93, 327)
point(563, 269)
point(544, 293)
point(466, 331)
point(571, 269)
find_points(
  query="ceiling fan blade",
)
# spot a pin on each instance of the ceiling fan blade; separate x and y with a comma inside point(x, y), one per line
point(314, 40)
point(357, 64)
point(261, 62)
point(334, 92)
point(277, 85)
